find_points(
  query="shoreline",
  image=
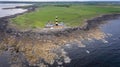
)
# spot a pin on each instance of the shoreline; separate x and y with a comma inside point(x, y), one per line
point(4, 21)
point(89, 23)
point(42, 43)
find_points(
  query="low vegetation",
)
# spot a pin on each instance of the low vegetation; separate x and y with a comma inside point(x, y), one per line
point(71, 15)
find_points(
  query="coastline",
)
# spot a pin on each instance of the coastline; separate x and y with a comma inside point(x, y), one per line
point(4, 21)
point(88, 24)
point(42, 43)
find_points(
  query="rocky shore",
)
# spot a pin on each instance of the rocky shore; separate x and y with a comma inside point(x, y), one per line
point(98, 20)
point(91, 23)
point(52, 35)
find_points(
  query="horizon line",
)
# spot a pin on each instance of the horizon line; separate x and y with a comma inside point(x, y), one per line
point(60, 1)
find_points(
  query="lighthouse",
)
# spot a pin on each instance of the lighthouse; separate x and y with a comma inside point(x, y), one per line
point(56, 21)
point(55, 25)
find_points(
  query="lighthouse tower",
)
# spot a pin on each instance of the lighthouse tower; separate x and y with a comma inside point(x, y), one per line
point(56, 21)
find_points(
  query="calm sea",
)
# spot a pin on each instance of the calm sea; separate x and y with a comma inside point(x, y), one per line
point(7, 12)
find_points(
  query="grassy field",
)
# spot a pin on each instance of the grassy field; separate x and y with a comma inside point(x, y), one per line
point(73, 15)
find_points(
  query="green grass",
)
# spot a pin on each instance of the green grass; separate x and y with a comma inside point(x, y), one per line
point(71, 16)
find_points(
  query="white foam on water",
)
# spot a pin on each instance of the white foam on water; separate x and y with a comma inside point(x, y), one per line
point(87, 51)
point(67, 60)
point(105, 41)
point(68, 45)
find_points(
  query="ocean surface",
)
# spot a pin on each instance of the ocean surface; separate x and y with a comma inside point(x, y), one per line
point(95, 54)
point(99, 53)
point(7, 12)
